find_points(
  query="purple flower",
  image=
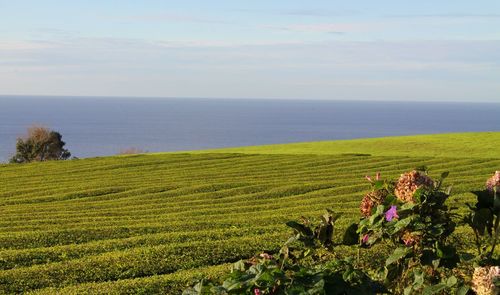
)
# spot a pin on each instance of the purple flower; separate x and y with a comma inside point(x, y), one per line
point(257, 292)
point(364, 240)
point(391, 214)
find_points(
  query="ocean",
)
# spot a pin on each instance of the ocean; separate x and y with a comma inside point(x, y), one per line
point(93, 126)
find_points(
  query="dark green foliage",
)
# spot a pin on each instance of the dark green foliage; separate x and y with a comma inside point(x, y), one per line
point(296, 269)
point(423, 261)
point(41, 144)
point(419, 232)
point(484, 219)
point(321, 234)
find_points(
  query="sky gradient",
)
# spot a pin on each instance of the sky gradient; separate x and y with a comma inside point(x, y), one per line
point(348, 50)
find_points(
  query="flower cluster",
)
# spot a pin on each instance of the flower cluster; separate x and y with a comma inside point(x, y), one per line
point(493, 183)
point(409, 214)
point(409, 183)
point(372, 200)
point(483, 280)
point(411, 238)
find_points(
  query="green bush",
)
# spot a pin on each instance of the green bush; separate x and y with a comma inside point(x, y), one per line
point(410, 216)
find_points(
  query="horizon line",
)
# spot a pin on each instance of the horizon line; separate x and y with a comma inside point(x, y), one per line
point(58, 96)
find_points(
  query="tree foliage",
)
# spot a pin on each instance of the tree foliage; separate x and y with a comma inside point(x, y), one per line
point(40, 144)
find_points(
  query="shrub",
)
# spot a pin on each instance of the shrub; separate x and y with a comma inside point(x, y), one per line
point(40, 144)
point(414, 219)
point(131, 151)
point(409, 215)
point(296, 269)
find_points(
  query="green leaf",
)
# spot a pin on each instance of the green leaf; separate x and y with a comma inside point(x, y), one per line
point(403, 223)
point(445, 174)
point(379, 184)
point(463, 290)
point(351, 236)
point(380, 210)
point(302, 229)
point(389, 200)
point(325, 233)
point(484, 199)
point(418, 279)
point(398, 254)
point(232, 284)
point(448, 189)
point(451, 281)
point(434, 289)
point(445, 251)
point(408, 206)
point(482, 220)
point(422, 168)
point(435, 263)
point(408, 290)
point(496, 203)
point(239, 265)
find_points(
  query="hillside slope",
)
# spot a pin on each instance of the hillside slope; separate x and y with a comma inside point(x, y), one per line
point(473, 145)
point(152, 223)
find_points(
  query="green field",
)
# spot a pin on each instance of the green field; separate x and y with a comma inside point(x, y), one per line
point(477, 145)
point(153, 223)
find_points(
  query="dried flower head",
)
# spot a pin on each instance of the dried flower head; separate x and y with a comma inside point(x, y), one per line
point(371, 200)
point(409, 183)
point(411, 238)
point(483, 280)
point(493, 183)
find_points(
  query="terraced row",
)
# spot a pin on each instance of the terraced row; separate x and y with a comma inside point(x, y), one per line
point(148, 221)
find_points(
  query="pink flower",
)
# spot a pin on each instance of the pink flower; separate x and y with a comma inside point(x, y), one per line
point(364, 240)
point(369, 178)
point(266, 256)
point(391, 214)
point(257, 292)
point(493, 183)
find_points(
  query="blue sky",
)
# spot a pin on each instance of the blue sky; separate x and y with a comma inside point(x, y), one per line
point(359, 50)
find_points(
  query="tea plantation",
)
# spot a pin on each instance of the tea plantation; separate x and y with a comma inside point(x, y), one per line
point(154, 223)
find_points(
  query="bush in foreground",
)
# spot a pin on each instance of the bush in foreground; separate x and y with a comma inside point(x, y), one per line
point(410, 216)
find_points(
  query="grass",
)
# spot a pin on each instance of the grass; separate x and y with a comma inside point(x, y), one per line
point(153, 223)
point(473, 145)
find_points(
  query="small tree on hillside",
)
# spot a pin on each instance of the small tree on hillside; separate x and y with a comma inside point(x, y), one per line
point(40, 144)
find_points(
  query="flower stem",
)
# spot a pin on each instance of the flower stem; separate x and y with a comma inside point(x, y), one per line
point(497, 230)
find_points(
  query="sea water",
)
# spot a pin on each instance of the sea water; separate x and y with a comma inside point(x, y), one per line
point(93, 126)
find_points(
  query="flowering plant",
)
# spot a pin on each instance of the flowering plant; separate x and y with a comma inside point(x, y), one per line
point(410, 215)
point(484, 218)
point(296, 268)
point(413, 218)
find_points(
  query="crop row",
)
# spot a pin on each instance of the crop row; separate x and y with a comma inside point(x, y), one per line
point(135, 262)
point(288, 175)
point(142, 223)
point(26, 257)
point(135, 176)
point(168, 284)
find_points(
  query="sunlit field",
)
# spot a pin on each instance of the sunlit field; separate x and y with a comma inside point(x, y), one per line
point(157, 222)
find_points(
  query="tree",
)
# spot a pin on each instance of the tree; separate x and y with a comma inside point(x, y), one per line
point(40, 144)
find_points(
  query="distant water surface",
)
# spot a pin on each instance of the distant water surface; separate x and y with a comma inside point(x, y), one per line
point(103, 126)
